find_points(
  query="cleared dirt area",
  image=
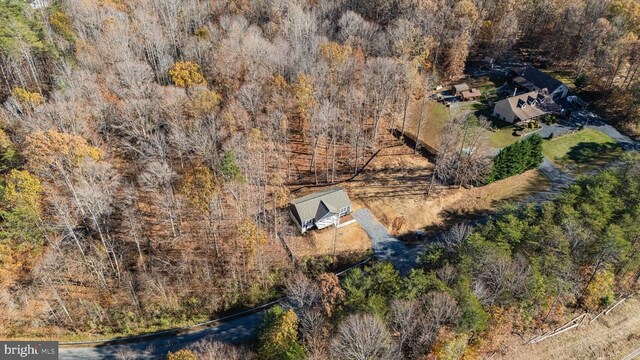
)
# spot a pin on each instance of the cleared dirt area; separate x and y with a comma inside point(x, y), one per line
point(351, 240)
point(394, 188)
point(610, 337)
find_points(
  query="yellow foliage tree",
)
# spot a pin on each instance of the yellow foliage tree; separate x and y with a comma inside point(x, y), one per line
point(62, 24)
point(8, 156)
point(278, 336)
point(20, 208)
point(204, 102)
point(26, 97)
point(335, 54)
point(200, 186)
point(600, 292)
point(51, 149)
point(186, 73)
point(280, 82)
point(183, 354)
point(304, 92)
point(22, 189)
point(449, 345)
point(287, 329)
point(252, 237)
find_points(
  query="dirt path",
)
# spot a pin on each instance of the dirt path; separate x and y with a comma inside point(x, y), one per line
point(613, 336)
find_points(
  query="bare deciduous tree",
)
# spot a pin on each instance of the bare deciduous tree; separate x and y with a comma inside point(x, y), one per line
point(363, 336)
point(211, 349)
point(302, 292)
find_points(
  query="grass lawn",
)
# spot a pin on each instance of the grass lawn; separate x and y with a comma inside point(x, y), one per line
point(435, 115)
point(502, 133)
point(484, 85)
point(610, 337)
point(566, 77)
point(394, 189)
point(503, 136)
point(583, 150)
point(487, 84)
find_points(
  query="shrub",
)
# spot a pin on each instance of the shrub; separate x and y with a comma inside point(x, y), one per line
point(183, 354)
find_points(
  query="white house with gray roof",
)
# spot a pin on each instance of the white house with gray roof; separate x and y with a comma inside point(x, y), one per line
point(320, 209)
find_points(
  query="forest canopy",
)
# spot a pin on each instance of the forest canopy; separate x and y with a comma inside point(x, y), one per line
point(148, 150)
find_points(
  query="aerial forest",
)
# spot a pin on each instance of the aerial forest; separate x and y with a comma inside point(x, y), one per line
point(148, 150)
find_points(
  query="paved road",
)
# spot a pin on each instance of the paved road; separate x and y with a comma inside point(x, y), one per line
point(558, 177)
point(235, 331)
point(232, 329)
point(385, 246)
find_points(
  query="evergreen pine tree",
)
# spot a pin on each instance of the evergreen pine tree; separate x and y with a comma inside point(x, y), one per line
point(517, 158)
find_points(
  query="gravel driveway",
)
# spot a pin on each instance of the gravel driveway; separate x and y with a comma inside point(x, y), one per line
point(385, 246)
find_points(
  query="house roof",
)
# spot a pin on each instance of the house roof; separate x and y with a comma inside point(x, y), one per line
point(535, 79)
point(528, 105)
point(522, 82)
point(471, 94)
point(319, 204)
point(461, 87)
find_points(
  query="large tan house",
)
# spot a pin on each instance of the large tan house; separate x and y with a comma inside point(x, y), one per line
point(522, 108)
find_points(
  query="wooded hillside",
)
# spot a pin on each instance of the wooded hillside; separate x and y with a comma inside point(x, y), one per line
point(148, 147)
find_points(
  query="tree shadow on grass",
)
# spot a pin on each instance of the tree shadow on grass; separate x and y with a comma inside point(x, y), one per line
point(592, 154)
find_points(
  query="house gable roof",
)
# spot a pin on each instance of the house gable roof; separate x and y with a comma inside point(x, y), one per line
point(317, 205)
point(461, 87)
point(526, 106)
point(471, 94)
point(533, 79)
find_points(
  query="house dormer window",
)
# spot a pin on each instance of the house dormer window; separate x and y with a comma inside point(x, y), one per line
point(541, 98)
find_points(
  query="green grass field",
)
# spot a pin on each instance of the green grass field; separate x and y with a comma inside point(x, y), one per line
point(434, 117)
point(502, 135)
point(582, 151)
point(564, 76)
point(487, 84)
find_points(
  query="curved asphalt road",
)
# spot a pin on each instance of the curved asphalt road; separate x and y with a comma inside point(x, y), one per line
point(234, 331)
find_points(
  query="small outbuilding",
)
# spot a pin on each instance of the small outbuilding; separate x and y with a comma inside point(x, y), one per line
point(459, 88)
point(320, 209)
point(473, 94)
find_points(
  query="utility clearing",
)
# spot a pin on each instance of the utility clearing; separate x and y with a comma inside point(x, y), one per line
point(612, 336)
